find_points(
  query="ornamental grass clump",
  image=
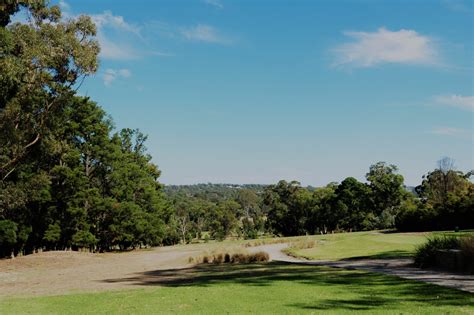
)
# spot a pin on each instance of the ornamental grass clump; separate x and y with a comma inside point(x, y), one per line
point(425, 255)
point(239, 257)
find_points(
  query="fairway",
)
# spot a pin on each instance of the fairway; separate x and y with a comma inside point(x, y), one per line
point(361, 244)
point(273, 288)
point(160, 280)
point(370, 244)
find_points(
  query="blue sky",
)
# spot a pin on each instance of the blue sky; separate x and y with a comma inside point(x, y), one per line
point(314, 91)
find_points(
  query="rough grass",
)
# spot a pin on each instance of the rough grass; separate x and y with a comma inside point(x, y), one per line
point(425, 255)
point(235, 256)
point(272, 288)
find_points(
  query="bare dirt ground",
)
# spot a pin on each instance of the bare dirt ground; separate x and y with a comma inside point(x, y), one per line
point(400, 267)
point(60, 272)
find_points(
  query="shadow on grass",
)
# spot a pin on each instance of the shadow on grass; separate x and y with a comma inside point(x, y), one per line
point(371, 290)
point(384, 255)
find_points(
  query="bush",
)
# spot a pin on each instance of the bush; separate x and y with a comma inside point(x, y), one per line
point(239, 258)
point(259, 257)
point(467, 246)
point(425, 255)
point(218, 259)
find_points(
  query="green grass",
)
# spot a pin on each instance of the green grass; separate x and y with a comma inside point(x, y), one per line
point(361, 244)
point(273, 288)
point(365, 244)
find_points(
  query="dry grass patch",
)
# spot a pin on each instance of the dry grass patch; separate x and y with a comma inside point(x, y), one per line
point(230, 256)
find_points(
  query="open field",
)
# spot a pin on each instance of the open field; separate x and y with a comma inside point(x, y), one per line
point(267, 288)
point(163, 280)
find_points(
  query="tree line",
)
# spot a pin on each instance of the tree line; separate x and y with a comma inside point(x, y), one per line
point(70, 180)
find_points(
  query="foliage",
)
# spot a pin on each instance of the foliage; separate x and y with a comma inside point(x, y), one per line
point(348, 206)
point(67, 178)
point(446, 201)
point(425, 255)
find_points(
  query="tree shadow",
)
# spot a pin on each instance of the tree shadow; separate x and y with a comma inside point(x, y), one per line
point(371, 290)
point(383, 255)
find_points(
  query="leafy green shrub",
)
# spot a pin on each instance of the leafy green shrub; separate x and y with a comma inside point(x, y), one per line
point(425, 255)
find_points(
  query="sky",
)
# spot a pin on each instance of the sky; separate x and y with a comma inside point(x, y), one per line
point(313, 91)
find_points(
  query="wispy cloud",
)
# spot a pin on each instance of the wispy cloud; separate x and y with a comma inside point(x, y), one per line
point(117, 22)
point(64, 5)
point(457, 101)
point(384, 46)
point(204, 33)
point(449, 131)
point(115, 51)
point(216, 3)
point(116, 47)
point(458, 5)
point(110, 75)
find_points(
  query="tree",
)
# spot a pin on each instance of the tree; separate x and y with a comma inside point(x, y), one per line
point(287, 205)
point(66, 179)
point(446, 201)
point(8, 236)
point(387, 192)
point(352, 207)
point(41, 63)
point(222, 219)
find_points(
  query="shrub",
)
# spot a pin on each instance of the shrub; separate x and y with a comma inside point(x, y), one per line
point(425, 255)
point(218, 259)
point(239, 258)
point(236, 256)
point(260, 257)
point(467, 246)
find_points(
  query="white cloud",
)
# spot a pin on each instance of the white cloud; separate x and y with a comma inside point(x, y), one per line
point(448, 131)
point(114, 51)
point(215, 3)
point(117, 22)
point(110, 75)
point(384, 46)
point(203, 33)
point(458, 101)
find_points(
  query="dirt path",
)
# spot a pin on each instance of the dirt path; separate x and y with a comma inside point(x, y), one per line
point(400, 267)
point(61, 272)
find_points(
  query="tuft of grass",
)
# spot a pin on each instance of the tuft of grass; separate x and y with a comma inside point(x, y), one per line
point(232, 256)
point(303, 244)
point(467, 246)
point(425, 255)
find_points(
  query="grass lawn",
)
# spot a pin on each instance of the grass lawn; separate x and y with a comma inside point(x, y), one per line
point(365, 244)
point(267, 288)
